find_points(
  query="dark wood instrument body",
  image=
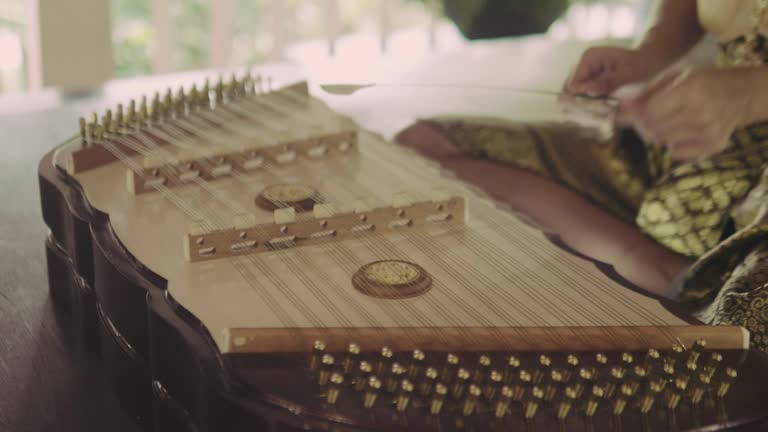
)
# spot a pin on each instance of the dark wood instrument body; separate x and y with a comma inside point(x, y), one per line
point(168, 373)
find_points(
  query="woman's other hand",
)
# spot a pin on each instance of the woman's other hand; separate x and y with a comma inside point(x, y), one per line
point(692, 112)
point(604, 69)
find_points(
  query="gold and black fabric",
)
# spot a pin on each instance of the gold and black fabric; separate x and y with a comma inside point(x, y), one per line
point(706, 209)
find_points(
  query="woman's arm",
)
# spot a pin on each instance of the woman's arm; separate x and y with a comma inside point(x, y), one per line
point(603, 69)
point(674, 30)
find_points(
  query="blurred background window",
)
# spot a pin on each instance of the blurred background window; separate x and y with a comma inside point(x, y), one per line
point(333, 37)
point(13, 28)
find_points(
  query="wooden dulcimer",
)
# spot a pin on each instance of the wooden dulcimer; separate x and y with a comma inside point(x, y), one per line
point(244, 258)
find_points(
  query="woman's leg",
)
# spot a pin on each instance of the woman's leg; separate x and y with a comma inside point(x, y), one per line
point(537, 190)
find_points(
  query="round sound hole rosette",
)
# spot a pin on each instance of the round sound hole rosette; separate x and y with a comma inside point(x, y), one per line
point(392, 279)
point(299, 196)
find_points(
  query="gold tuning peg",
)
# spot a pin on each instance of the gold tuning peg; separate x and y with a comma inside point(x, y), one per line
point(699, 388)
point(241, 90)
point(639, 377)
point(351, 359)
point(512, 369)
point(428, 381)
point(416, 365)
point(181, 103)
point(130, 115)
point(482, 369)
point(233, 83)
point(519, 386)
point(89, 136)
point(371, 392)
point(470, 400)
point(573, 367)
point(668, 373)
point(460, 383)
point(598, 393)
point(690, 369)
point(624, 394)
point(503, 402)
point(154, 109)
point(655, 387)
point(675, 355)
point(711, 363)
point(652, 358)
point(728, 377)
point(143, 108)
point(553, 384)
point(403, 395)
point(334, 387)
point(566, 403)
point(107, 118)
point(614, 381)
point(205, 95)
point(601, 359)
point(449, 368)
point(326, 364)
point(533, 403)
point(675, 392)
point(188, 102)
point(627, 360)
point(586, 376)
point(438, 399)
point(543, 369)
point(384, 363)
point(364, 371)
point(493, 384)
point(218, 89)
point(318, 349)
point(697, 350)
point(83, 136)
point(396, 375)
point(119, 118)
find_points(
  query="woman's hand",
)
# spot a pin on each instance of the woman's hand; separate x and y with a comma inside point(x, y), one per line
point(604, 69)
point(692, 112)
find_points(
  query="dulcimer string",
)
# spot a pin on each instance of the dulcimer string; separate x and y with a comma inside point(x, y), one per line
point(155, 131)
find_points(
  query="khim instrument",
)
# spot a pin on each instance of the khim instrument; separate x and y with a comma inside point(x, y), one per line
point(245, 258)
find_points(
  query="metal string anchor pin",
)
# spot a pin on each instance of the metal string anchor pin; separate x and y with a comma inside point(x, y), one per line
point(729, 376)
point(393, 379)
point(334, 387)
point(385, 361)
point(326, 364)
point(428, 382)
point(503, 402)
point(351, 359)
point(438, 399)
point(364, 371)
point(417, 364)
point(371, 392)
point(318, 349)
point(403, 396)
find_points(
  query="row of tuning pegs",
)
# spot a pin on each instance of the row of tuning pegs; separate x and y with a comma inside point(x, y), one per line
point(160, 108)
point(581, 384)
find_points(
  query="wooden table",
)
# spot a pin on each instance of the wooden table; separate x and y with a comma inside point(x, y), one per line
point(46, 382)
